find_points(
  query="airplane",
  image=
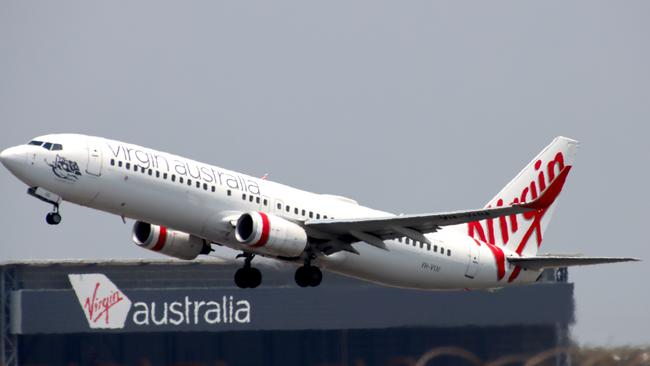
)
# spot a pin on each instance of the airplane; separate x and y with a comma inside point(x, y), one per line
point(182, 208)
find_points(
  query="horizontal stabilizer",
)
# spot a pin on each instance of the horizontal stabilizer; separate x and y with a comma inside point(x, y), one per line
point(555, 261)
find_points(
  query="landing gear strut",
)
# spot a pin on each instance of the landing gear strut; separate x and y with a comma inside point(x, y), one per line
point(248, 277)
point(308, 275)
point(53, 218)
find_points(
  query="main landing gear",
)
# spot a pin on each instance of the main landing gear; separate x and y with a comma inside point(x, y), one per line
point(248, 277)
point(308, 275)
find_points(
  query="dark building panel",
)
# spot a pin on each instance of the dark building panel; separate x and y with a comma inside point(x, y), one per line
point(343, 322)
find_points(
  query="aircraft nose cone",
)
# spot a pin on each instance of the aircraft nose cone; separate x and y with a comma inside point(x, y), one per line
point(13, 157)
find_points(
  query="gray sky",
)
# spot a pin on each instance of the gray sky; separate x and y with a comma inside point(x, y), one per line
point(406, 106)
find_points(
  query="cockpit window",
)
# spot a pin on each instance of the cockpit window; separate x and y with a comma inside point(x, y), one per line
point(46, 145)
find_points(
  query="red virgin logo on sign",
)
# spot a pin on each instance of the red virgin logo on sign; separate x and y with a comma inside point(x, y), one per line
point(104, 305)
point(98, 307)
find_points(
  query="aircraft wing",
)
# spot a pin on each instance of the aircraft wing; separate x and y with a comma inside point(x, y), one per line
point(554, 261)
point(374, 230)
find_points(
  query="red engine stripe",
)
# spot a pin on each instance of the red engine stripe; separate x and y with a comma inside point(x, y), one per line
point(266, 230)
point(162, 237)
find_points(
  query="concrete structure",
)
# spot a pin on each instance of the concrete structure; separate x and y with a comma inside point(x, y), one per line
point(190, 312)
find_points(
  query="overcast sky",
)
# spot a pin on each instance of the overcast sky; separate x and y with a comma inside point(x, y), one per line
point(405, 106)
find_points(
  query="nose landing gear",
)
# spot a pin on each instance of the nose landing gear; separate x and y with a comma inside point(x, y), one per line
point(248, 277)
point(53, 218)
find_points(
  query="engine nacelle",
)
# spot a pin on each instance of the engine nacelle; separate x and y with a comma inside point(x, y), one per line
point(271, 234)
point(173, 243)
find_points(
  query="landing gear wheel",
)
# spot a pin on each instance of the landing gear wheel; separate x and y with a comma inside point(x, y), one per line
point(315, 276)
point(308, 276)
point(240, 278)
point(248, 277)
point(302, 276)
point(254, 277)
point(53, 218)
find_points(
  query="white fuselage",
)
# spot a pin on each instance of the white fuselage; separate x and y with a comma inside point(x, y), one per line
point(201, 199)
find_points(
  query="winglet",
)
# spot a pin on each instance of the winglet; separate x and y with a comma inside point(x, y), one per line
point(550, 193)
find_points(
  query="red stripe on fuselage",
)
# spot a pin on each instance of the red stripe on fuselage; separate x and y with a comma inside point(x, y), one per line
point(499, 258)
point(162, 237)
point(514, 274)
point(266, 230)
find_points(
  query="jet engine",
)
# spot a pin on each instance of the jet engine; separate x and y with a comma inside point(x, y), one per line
point(270, 234)
point(173, 243)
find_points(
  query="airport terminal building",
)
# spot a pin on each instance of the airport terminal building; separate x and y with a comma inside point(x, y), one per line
point(190, 313)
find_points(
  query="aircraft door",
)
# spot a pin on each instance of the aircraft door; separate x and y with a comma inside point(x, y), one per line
point(473, 257)
point(94, 166)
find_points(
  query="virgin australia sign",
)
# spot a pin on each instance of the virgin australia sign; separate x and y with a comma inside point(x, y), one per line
point(107, 307)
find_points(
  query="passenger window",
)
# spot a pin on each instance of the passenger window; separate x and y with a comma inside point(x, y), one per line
point(407, 241)
point(295, 210)
point(303, 212)
point(119, 164)
point(311, 215)
point(180, 179)
point(448, 253)
point(142, 169)
point(257, 200)
point(324, 216)
point(279, 206)
point(288, 208)
point(435, 248)
point(47, 145)
point(157, 174)
point(189, 182)
point(198, 184)
point(128, 165)
point(229, 192)
point(318, 216)
point(173, 177)
point(164, 175)
point(214, 188)
point(251, 198)
point(442, 250)
point(265, 202)
point(150, 171)
point(205, 187)
point(135, 168)
point(243, 196)
point(56, 147)
point(112, 162)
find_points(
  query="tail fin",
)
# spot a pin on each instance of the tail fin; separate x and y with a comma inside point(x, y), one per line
point(523, 233)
